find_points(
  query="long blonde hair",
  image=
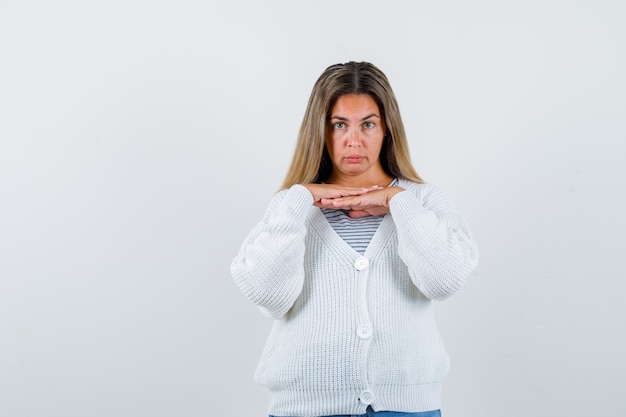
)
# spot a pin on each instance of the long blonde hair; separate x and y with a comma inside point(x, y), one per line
point(311, 161)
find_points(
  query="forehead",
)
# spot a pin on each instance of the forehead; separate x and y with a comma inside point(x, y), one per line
point(354, 104)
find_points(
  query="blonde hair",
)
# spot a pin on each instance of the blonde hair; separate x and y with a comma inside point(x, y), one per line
point(311, 161)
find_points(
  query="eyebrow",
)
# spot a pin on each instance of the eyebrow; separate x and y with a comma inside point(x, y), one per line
point(345, 119)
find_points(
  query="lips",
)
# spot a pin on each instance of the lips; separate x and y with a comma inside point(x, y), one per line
point(354, 158)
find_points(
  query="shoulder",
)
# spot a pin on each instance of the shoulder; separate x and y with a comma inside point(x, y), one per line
point(278, 198)
point(428, 194)
point(296, 198)
point(420, 190)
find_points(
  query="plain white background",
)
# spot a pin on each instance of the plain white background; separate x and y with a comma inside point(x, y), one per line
point(141, 140)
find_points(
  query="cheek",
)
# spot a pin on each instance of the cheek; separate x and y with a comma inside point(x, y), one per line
point(337, 140)
point(376, 140)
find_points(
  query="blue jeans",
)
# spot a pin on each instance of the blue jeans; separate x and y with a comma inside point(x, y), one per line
point(372, 413)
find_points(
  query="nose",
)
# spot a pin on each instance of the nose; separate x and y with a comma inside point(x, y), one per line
point(353, 139)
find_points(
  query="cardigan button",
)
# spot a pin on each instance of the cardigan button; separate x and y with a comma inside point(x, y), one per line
point(364, 332)
point(361, 263)
point(366, 397)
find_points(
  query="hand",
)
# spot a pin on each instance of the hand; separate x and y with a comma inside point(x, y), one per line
point(372, 203)
point(330, 191)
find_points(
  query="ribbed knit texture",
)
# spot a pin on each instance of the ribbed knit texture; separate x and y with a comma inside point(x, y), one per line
point(354, 329)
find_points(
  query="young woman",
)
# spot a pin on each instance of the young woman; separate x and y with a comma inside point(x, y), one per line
point(347, 259)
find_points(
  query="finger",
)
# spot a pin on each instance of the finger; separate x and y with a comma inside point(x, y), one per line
point(378, 211)
point(325, 203)
point(357, 214)
point(358, 191)
point(352, 191)
point(362, 202)
point(329, 191)
point(346, 203)
point(372, 188)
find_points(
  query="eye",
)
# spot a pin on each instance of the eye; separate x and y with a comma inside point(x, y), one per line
point(369, 125)
point(339, 125)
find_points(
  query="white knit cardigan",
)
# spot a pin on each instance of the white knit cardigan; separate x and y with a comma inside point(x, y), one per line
point(354, 330)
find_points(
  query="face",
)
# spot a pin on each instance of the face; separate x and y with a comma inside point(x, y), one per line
point(355, 137)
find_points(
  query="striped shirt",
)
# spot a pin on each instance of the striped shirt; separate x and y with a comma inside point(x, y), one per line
point(355, 232)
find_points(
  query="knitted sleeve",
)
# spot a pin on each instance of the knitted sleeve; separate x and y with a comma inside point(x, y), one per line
point(269, 268)
point(433, 240)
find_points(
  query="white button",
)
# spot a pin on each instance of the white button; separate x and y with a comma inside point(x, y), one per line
point(361, 263)
point(364, 332)
point(366, 397)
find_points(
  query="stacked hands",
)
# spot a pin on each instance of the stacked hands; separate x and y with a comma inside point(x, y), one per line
point(357, 202)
